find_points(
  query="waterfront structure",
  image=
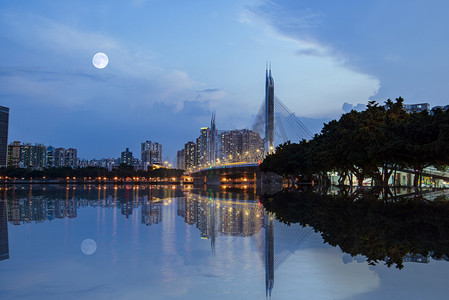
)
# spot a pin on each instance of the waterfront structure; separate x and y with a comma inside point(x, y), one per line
point(151, 154)
point(269, 112)
point(14, 154)
point(4, 126)
point(126, 157)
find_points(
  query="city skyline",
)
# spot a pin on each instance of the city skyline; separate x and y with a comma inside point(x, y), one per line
point(171, 65)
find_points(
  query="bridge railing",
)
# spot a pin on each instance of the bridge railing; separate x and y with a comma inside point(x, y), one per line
point(230, 165)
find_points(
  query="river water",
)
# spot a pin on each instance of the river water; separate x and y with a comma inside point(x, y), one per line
point(131, 242)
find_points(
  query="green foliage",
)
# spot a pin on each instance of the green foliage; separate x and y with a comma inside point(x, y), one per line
point(372, 143)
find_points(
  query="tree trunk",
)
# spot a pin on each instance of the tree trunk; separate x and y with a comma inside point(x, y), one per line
point(415, 179)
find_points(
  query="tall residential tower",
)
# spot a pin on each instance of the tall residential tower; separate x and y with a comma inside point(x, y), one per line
point(4, 124)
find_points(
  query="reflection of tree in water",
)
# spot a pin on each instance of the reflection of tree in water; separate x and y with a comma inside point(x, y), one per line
point(378, 229)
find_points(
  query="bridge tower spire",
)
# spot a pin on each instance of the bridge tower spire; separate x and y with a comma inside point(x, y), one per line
point(269, 112)
point(212, 140)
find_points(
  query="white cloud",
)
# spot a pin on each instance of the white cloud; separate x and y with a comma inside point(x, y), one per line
point(67, 54)
point(311, 78)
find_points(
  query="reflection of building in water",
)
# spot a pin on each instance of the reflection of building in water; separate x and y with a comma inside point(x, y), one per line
point(213, 217)
point(417, 258)
point(4, 245)
point(39, 209)
point(444, 257)
point(225, 215)
point(151, 212)
point(26, 204)
point(126, 208)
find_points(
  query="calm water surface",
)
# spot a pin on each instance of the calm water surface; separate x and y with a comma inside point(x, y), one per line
point(130, 242)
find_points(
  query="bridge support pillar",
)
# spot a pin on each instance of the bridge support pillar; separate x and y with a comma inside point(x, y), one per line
point(213, 180)
point(269, 182)
point(198, 181)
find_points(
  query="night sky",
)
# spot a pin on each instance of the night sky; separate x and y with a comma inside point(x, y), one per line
point(171, 63)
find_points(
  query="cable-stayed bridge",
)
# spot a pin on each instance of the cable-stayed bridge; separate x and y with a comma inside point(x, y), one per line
point(277, 124)
point(287, 126)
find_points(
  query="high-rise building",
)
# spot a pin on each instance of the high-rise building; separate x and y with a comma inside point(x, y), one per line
point(269, 112)
point(151, 153)
point(127, 157)
point(14, 154)
point(181, 159)
point(231, 144)
point(191, 158)
point(4, 124)
point(70, 158)
point(33, 156)
point(50, 157)
point(202, 144)
point(252, 146)
point(242, 145)
point(60, 157)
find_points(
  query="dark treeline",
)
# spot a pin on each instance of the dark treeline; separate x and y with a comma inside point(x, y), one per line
point(368, 144)
point(121, 172)
point(362, 224)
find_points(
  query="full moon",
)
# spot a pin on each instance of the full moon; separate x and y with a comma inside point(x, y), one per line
point(100, 60)
point(88, 246)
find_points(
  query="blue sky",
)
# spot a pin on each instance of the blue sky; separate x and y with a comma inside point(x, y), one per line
point(171, 63)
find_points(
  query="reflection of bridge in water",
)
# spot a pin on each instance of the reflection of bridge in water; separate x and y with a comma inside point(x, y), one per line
point(219, 214)
point(215, 214)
